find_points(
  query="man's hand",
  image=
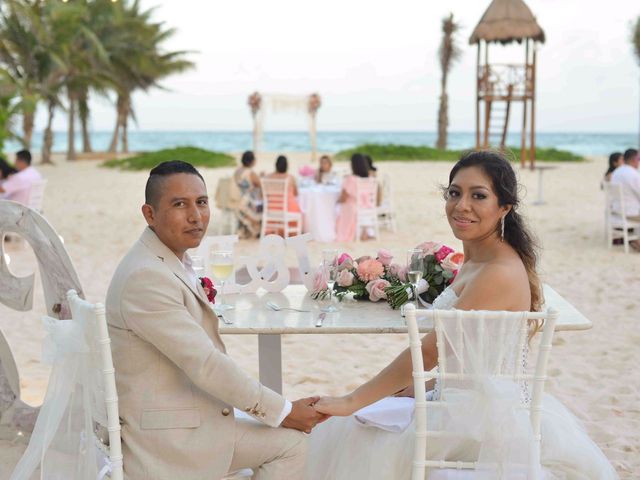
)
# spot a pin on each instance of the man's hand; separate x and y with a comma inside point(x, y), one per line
point(303, 416)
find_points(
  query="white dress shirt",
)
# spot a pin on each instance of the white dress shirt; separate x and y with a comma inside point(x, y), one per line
point(193, 278)
point(18, 186)
point(629, 178)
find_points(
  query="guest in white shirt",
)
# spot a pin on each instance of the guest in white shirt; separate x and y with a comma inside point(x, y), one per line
point(628, 176)
point(18, 186)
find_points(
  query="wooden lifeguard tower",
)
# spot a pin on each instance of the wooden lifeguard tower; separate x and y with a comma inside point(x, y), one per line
point(501, 84)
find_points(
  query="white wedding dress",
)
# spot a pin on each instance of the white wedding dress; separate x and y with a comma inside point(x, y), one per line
point(350, 448)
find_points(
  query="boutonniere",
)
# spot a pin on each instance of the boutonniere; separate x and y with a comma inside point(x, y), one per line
point(207, 286)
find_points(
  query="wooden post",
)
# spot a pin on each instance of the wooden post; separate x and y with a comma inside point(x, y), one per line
point(313, 133)
point(506, 118)
point(532, 145)
point(487, 97)
point(523, 142)
point(478, 79)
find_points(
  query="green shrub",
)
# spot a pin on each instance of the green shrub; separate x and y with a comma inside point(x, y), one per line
point(197, 157)
point(386, 152)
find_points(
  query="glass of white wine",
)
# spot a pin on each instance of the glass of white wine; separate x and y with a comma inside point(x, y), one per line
point(221, 262)
point(330, 267)
point(415, 270)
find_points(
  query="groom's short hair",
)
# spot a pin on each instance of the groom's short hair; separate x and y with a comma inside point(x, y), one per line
point(153, 189)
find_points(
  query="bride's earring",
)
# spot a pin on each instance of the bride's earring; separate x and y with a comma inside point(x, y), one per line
point(502, 229)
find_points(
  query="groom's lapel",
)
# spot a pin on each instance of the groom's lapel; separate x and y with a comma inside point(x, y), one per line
point(151, 240)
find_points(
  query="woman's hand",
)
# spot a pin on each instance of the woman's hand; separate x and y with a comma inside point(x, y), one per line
point(336, 406)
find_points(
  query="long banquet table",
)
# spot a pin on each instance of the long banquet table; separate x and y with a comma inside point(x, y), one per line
point(252, 316)
point(318, 205)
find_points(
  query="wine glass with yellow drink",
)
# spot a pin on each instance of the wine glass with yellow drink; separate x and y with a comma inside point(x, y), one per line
point(221, 262)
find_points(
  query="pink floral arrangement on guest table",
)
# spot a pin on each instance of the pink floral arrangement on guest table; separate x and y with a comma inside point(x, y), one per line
point(378, 278)
point(306, 171)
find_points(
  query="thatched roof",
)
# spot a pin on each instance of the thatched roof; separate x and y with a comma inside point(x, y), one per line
point(506, 21)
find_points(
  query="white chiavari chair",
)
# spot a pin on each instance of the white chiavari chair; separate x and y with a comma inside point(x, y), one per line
point(497, 342)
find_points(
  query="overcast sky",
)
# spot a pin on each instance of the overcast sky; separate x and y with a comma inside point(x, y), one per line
point(375, 65)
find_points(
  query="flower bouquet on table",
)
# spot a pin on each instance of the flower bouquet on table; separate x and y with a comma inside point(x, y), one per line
point(307, 171)
point(440, 267)
point(367, 278)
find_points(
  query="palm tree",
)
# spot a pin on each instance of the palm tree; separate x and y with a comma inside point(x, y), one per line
point(139, 64)
point(448, 53)
point(7, 109)
point(22, 56)
point(635, 39)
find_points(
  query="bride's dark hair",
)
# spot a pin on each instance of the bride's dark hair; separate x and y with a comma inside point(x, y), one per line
point(516, 232)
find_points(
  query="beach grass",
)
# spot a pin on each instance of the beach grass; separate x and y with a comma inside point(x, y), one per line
point(197, 157)
point(394, 152)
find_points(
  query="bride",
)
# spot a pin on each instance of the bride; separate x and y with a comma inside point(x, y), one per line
point(499, 273)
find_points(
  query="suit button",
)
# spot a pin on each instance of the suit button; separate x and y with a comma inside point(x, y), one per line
point(226, 411)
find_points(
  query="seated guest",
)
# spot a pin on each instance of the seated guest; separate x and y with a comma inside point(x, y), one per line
point(347, 217)
point(324, 173)
point(18, 186)
point(5, 170)
point(615, 160)
point(281, 174)
point(249, 212)
point(628, 176)
point(373, 171)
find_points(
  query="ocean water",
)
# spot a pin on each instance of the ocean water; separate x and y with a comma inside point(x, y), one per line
point(581, 143)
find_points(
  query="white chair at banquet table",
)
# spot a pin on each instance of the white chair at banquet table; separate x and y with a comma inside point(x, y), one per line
point(616, 223)
point(386, 210)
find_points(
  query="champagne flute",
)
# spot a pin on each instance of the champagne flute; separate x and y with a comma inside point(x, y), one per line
point(197, 263)
point(415, 270)
point(221, 266)
point(330, 267)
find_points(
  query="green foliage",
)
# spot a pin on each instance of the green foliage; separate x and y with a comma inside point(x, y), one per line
point(195, 156)
point(393, 152)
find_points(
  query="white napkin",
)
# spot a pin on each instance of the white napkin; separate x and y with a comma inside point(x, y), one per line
point(393, 414)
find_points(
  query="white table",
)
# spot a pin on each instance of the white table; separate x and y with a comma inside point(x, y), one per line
point(251, 316)
point(318, 205)
point(541, 169)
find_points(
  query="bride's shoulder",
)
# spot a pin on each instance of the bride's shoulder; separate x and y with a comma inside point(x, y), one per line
point(498, 285)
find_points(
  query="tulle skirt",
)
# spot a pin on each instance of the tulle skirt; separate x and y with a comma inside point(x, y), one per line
point(343, 449)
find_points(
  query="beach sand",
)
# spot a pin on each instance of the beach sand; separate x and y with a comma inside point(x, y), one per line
point(97, 211)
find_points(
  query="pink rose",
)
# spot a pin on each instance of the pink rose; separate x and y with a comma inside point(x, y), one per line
point(345, 278)
point(376, 289)
point(453, 261)
point(370, 270)
point(320, 281)
point(399, 271)
point(344, 257)
point(345, 262)
point(384, 257)
point(442, 253)
point(428, 248)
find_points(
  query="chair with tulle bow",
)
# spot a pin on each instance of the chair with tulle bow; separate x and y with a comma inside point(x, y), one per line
point(479, 352)
point(367, 212)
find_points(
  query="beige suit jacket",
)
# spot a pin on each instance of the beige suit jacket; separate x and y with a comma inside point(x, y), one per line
point(176, 385)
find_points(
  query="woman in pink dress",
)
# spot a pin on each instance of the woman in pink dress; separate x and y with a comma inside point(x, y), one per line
point(347, 216)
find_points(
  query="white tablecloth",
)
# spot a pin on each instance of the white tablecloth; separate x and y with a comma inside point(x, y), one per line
point(318, 205)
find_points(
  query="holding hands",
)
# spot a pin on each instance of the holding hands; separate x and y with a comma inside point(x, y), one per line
point(303, 415)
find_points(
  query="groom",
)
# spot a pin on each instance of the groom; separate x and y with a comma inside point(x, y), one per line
point(176, 386)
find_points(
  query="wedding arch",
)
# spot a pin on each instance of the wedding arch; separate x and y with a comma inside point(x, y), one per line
point(259, 103)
